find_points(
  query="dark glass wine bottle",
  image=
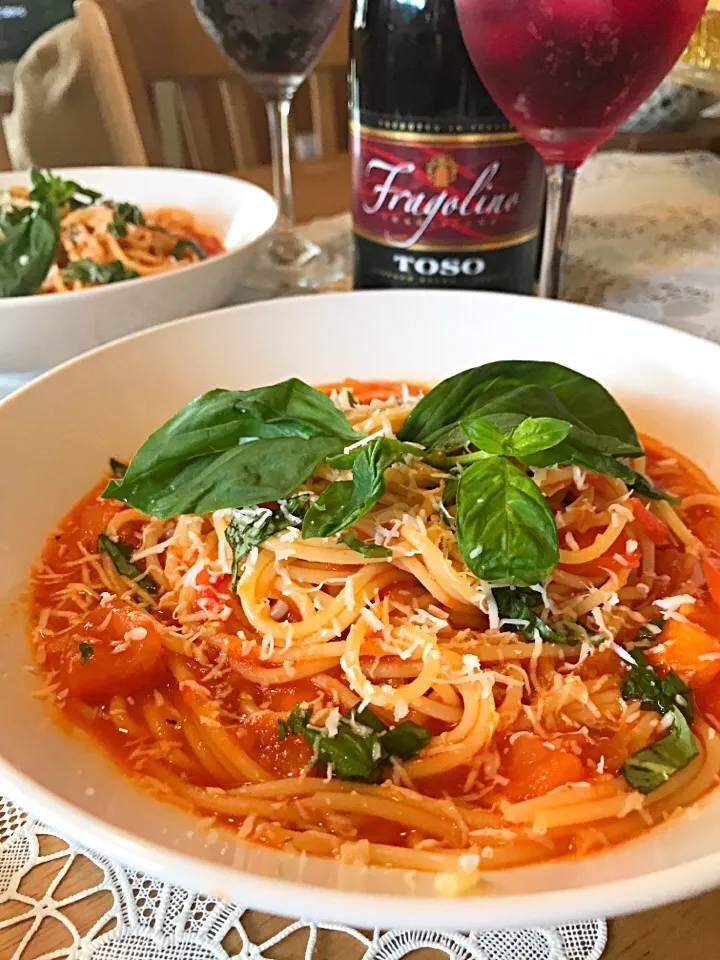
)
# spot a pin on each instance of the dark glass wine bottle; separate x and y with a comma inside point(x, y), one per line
point(445, 192)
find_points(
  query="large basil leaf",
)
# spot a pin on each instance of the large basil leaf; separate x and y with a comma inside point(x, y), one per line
point(344, 501)
point(650, 768)
point(293, 401)
point(401, 451)
point(505, 529)
point(570, 451)
point(251, 473)
point(252, 526)
point(28, 245)
point(182, 463)
point(501, 387)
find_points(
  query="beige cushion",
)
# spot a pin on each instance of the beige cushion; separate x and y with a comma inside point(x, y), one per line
point(56, 119)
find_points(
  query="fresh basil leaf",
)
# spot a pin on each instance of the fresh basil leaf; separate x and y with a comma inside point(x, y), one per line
point(252, 526)
point(27, 250)
point(86, 651)
point(120, 553)
point(56, 192)
point(294, 402)
point(401, 451)
point(654, 692)
point(182, 245)
point(650, 768)
point(570, 451)
point(535, 434)
point(406, 740)
point(345, 501)
point(366, 548)
point(505, 529)
point(484, 435)
point(88, 271)
point(501, 387)
point(290, 426)
point(362, 746)
point(282, 729)
point(117, 468)
point(518, 603)
point(247, 474)
point(529, 436)
point(448, 499)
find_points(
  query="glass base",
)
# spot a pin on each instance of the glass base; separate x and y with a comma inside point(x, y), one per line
point(288, 263)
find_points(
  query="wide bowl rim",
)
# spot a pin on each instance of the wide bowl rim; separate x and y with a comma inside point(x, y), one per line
point(296, 898)
point(31, 302)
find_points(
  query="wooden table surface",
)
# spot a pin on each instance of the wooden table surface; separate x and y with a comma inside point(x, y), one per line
point(684, 930)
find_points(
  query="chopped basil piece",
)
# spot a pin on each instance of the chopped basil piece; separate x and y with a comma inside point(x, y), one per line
point(120, 553)
point(654, 692)
point(362, 746)
point(650, 768)
point(366, 548)
point(252, 526)
point(182, 245)
point(86, 651)
point(88, 271)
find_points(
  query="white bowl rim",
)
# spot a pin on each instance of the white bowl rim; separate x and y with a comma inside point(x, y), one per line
point(7, 303)
point(293, 898)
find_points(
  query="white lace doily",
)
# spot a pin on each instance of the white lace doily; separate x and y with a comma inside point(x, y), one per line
point(146, 919)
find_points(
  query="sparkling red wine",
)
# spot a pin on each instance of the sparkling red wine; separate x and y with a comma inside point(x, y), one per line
point(445, 192)
point(282, 38)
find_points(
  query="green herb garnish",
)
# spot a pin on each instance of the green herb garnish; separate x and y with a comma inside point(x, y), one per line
point(123, 215)
point(363, 745)
point(654, 692)
point(86, 651)
point(519, 603)
point(121, 553)
point(88, 271)
point(366, 548)
point(650, 768)
point(252, 526)
point(182, 245)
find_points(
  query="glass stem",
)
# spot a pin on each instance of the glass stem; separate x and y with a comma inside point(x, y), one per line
point(278, 111)
point(560, 183)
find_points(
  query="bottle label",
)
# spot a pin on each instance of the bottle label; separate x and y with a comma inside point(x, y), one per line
point(439, 208)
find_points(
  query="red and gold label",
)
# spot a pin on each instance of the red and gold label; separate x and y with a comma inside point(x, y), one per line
point(444, 193)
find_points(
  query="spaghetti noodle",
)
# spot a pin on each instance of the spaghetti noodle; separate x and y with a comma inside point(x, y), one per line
point(366, 695)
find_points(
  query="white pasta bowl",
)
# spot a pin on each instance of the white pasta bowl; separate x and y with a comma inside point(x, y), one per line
point(39, 331)
point(57, 434)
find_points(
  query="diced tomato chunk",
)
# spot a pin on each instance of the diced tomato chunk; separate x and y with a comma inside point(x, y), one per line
point(693, 653)
point(707, 699)
point(534, 767)
point(711, 567)
point(283, 758)
point(116, 651)
point(656, 530)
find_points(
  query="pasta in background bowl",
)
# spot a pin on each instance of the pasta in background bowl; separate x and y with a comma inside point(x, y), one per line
point(178, 240)
point(384, 336)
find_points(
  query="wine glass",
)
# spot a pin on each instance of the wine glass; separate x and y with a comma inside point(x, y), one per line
point(275, 44)
point(567, 73)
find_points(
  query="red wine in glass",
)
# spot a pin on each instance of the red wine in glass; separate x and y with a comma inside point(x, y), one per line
point(567, 73)
point(275, 44)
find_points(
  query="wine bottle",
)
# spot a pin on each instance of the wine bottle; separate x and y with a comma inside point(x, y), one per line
point(445, 192)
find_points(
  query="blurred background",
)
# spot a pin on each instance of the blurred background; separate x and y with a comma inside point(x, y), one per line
point(184, 105)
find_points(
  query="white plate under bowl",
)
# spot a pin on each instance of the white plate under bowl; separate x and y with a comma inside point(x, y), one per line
point(39, 331)
point(56, 436)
